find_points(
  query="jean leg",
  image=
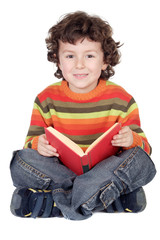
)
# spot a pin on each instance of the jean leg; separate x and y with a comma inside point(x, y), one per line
point(111, 178)
point(78, 196)
point(87, 189)
point(136, 170)
point(30, 169)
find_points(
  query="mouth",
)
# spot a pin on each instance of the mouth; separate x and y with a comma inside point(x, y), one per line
point(80, 76)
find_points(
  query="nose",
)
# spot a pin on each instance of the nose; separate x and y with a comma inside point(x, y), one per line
point(80, 63)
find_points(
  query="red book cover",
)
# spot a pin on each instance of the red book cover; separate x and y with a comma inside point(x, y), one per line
point(73, 156)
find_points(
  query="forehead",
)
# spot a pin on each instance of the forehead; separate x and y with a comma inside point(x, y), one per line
point(81, 45)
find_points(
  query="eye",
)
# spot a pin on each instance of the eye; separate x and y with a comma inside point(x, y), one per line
point(69, 56)
point(90, 56)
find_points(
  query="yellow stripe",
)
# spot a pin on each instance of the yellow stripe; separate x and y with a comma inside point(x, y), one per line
point(33, 190)
point(87, 115)
point(28, 215)
point(132, 107)
point(128, 210)
point(46, 191)
point(142, 135)
point(91, 115)
point(56, 84)
point(111, 83)
point(45, 115)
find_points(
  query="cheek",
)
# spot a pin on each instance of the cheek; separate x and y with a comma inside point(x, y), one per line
point(65, 67)
point(97, 68)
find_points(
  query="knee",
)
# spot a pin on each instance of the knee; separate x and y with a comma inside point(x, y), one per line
point(24, 170)
point(14, 169)
point(17, 167)
point(24, 154)
point(137, 168)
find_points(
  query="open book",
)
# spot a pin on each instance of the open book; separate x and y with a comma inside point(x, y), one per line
point(73, 156)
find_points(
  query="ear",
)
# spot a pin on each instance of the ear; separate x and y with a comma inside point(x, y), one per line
point(57, 62)
point(58, 65)
point(104, 66)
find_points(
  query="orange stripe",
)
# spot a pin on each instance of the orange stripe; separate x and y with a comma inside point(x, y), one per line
point(49, 122)
point(51, 91)
point(81, 132)
point(134, 114)
point(36, 112)
point(84, 121)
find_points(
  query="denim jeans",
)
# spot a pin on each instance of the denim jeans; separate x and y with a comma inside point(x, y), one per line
point(79, 196)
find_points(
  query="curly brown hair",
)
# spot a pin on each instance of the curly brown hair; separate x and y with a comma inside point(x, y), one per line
point(75, 26)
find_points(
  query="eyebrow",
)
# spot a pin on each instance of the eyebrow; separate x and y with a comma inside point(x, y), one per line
point(72, 51)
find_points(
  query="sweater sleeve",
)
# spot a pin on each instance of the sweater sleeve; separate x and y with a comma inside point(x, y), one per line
point(131, 118)
point(37, 125)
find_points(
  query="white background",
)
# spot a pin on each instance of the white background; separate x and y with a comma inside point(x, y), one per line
point(25, 71)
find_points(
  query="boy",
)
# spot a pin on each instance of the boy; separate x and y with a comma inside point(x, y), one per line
point(82, 106)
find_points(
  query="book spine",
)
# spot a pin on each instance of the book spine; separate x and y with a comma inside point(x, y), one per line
point(85, 161)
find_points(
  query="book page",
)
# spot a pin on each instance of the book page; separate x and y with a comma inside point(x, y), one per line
point(100, 138)
point(67, 141)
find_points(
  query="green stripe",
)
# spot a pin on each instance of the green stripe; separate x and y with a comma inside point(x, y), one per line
point(83, 146)
point(86, 115)
point(132, 101)
point(142, 135)
point(81, 115)
point(45, 115)
point(28, 144)
point(111, 83)
point(56, 84)
point(28, 137)
point(132, 107)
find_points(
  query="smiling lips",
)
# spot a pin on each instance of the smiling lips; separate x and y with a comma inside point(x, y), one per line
point(80, 76)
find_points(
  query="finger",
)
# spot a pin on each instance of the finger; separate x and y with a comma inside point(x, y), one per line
point(51, 149)
point(51, 152)
point(48, 154)
point(48, 150)
point(123, 142)
point(118, 142)
point(43, 140)
point(119, 136)
point(125, 129)
point(45, 154)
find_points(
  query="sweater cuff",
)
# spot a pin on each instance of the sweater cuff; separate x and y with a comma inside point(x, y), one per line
point(137, 141)
point(35, 143)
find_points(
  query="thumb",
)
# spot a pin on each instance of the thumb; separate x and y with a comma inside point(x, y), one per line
point(43, 139)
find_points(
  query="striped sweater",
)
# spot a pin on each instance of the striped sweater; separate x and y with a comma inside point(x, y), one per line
point(84, 117)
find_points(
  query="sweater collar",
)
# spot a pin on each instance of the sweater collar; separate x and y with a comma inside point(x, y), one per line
point(84, 96)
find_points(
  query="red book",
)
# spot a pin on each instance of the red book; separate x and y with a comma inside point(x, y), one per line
point(73, 156)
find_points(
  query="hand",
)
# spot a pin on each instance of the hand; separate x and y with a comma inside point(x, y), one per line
point(124, 138)
point(45, 149)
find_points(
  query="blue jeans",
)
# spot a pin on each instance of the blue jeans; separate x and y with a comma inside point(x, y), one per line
point(79, 196)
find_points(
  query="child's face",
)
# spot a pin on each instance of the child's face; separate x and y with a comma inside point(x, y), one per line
point(81, 64)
